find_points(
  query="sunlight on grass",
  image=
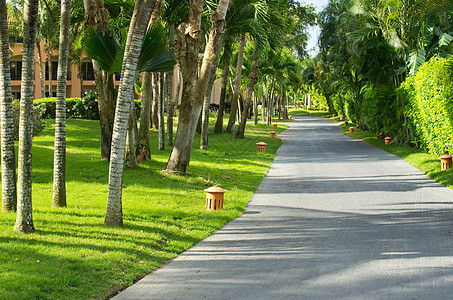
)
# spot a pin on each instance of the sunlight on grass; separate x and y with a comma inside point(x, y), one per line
point(72, 255)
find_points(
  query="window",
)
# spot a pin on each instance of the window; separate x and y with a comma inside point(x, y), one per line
point(16, 39)
point(87, 71)
point(16, 70)
point(16, 94)
point(117, 77)
point(54, 94)
point(55, 71)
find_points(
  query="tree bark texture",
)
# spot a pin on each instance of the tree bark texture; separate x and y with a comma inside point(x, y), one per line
point(253, 78)
point(169, 94)
point(205, 114)
point(59, 159)
point(137, 28)
point(161, 116)
point(8, 156)
point(41, 71)
point(131, 158)
point(237, 87)
point(263, 107)
point(197, 98)
point(97, 16)
point(218, 127)
point(49, 70)
point(156, 97)
point(24, 220)
point(190, 45)
point(143, 147)
point(255, 109)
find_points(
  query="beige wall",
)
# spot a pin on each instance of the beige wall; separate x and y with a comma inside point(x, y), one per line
point(74, 87)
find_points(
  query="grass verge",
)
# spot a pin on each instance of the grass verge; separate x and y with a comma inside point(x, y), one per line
point(72, 255)
point(425, 162)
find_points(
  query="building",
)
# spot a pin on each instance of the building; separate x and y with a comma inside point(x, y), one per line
point(77, 84)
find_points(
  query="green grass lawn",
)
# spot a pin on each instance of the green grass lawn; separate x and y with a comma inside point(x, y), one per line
point(418, 158)
point(72, 255)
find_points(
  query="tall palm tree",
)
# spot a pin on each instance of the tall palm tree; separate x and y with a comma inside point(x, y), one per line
point(240, 19)
point(59, 163)
point(193, 90)
point(24, 220)
point(137, 28)
point(8, 160)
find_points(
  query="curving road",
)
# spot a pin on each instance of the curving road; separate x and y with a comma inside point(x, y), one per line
point(335, 218)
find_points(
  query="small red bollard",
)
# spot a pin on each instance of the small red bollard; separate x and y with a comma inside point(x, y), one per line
point(342, 118)
point(387, 140)
point(274, 126)
point(261, 147)
point(445, 162)
point(351, 129)
point(214, 198)
point(333, 116)
point(308, 113)
point(345, 123)
point(272, 133)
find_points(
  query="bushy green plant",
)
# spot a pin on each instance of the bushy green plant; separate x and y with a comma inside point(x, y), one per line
point(86, 108)
point(81, 108)
point(318, 100)
point(39, 123)
point(429, 104)
point(338, 104)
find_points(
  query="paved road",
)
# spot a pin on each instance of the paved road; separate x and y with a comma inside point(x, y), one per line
point(335, 218)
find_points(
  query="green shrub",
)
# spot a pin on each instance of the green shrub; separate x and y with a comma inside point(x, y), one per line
point(39, 123)
point(318, 101)
point(338, 104)
point(429, 104)
point(81, 108)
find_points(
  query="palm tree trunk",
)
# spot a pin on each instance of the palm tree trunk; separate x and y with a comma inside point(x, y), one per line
point(263, 107)
point(237, 86)
point(131, 158)
point(205, 115)
point(177, 162)
point(97, 16)
point(59, 161)
point(169, 85)
point(255, 109)
point(218, 127)
point(179, 159)
point(161, 116)
point(253, 78)
point(41, 71)
point(24, 220)
point(49, 69)
point(143, 147)
point(137, 28)
point(8, 159)
point(155, 107)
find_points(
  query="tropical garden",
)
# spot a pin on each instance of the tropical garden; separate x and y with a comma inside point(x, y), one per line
point(117, 175)
point(100, 190)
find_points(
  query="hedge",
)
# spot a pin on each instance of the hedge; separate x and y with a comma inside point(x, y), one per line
point(429, 99)
point(81, 108)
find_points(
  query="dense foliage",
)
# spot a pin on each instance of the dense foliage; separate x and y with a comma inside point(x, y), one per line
point(368, 49)
point(80, 108)
point(429, 106)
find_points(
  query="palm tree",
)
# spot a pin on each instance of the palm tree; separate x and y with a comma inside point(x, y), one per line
point(237, 86)
point(59, 164)
point(193, 90)
point(240, 19)
point(97, 16)
point(8, 160)
point(24, 220)
point(137, 28)
point(107, 51)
